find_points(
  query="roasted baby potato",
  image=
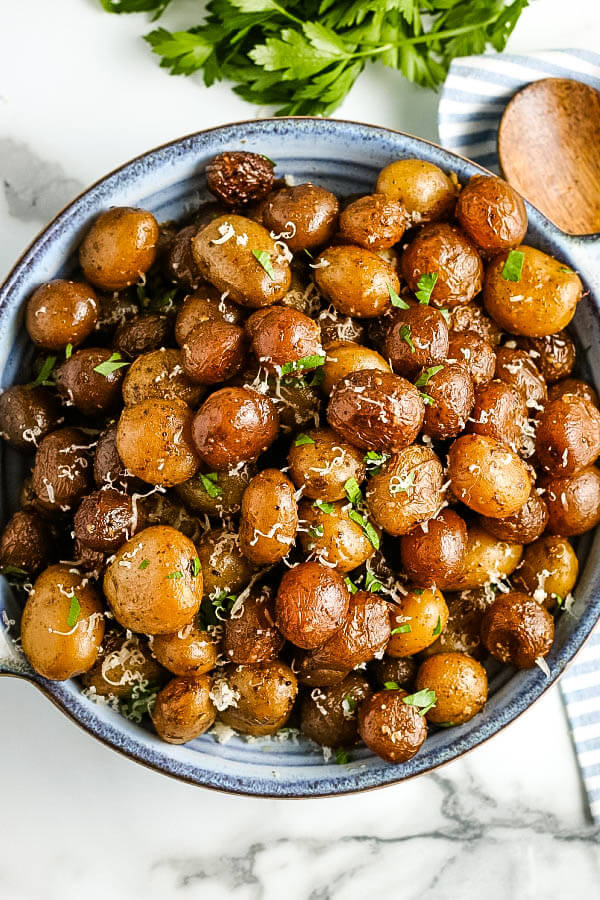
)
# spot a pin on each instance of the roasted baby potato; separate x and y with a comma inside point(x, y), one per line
point(311, 604)
point(263, 696)
point(460, 685)
point(407, 490)
point(356, 281)
point(424, 190)
point(516, 629)
point(269, 518)
point(487, 476)
point(119, 248)
point(183, 709)
point(416, 621)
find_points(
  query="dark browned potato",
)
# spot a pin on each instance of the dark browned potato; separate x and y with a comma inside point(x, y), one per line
point(25, 543)
point(416, 621)
point(364, 634)
point(500, 413)
point(238, 256)
point(234, 425)
point(344, 357)
point(286, 340)
point(189, 651)
point(374, 221)
point(391, 728)
point(573, 501)
point(329, 715)
point(313, 671)
point(376, 410)
point(141, 335)
point(407, 491)
point(492, 213)
point(540, 303)
point(183, 709)
point(487, 476)
point(553, 354)
point(568, 435)
point(153, 584)
point(516, 629)
point(250, 635)
point(296, 402)
point(60, 313)
point(215, 493)
point(154, 440)
point(108, 466)
point(27, 414)
point(205, 305)
point(321, 463)
point(225, 569)
point(355, 280)
point(119, 248)
point(516, 368)
point(113, 310)
point(473, 351)
point(91, 380)
point(311, 604)
point(446, 251)
point(158, 508)
point(237, 177)
point(462, 633)
point(62, 470)
point(487, 560)
point(263, 696)
point(400, 670)
point(424, 190)
point(304, 216)
point(472, 317)
point(460, 685)
point(548, 570)
point(574, 386)
point(159, 375)
point(449, 399)
point(523, 526)
point(179, 262)
point(61, 635)
point(433, 553)
point(337, 327)
point(416, 337)
point(269, 518)
point(329, 535)
point(124, 667)
point(104, 520)
point(214, 351)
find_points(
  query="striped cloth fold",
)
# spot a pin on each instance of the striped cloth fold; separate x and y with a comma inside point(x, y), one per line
point(473, 99)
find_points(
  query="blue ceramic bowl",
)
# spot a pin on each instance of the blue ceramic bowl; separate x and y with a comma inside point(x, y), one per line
point(345, 157)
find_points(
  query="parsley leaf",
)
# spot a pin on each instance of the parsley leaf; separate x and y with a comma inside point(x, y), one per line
point(405, 334)
point(316, 531)
point(74, 611)
point(438, 626)
point(196, 566)
point(426, 375)
point(396, 300)
point(342, 757)
point(210, 484)
point(144, 564)
point(136, 6)
point(375, 461)
point(68, 351)
point(391, 685)
point(111, 365)
point(366, 526)
point(372, 584)
point(513, 267)
point(307, 362)
point(323, 506)
point(350, 585)
point(424, 700)
point(43, 376)
point(353, 491)
point(426, 284)
point(262, 256)
point(402, 629)
point(174, 575)
point(427, 399)
point(399, 484)
point(303, 439)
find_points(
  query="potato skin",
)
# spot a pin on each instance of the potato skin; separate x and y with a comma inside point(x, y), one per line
point(237, 177)
point(487, 559)
point(323, 467)
point(451, 390)
point(310, 209)
point(344, 357)
point(141, 334)
point(364, 633)
point(553, 354)
point(329, 715)
point(541, 303)
point(154, 440)
point(416, 337)
point(27, 414)
point(462, 633)
point(487, 476)
point(151, 600)
point(391, 728)
point(230, 486)
point(492, 213)
point(205, 305)
point(314, 671)
point(460, 684)
point(568, 435)
point(471, 317)
point(355, 280)
point(158, 376)
point(424, 190)
point(517, 630)
point(523, 526)
point(407, 491)
point(234, 425)
point(400, 669)
point(251, 635)
point(25, 542)
point(214, 351)
point(266, 693)
point(374, 222)
point(500, 413)
point(61, 473)
point(119, 247)
point(232, 267)
point(104, 520)
point(333, 536)
point(189, 651)
point(425, 611)
point(574, 386)
point(89, 391)
point(376, 410)
point(53, 654)
point(573, 501)
point(183, 709)
point(284, 335)
point(61, 312)
point(548, 570)
point(225, 569)
point(473, 351)
point(447, 251)
point(516, 368)
point(433, 553)
point(311, 604)
point(269, 518)
point(108, 466)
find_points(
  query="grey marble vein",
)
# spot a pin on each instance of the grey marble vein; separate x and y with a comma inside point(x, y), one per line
point(35, 189)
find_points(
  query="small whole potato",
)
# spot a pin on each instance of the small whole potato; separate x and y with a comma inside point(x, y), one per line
point(574, 386)
point(123, 668)
point(237, 177)
point(516, 629)
point(444, 250)
point(541, 302)
point(344, 357)
point(62, 471)
point(119, 248)
point(487, 476)
point(523, 526)
point(399, 669)
point(250, 635)
point(179, 264)
point(548, 570)
point(160, 375)
point(331, 536)
point(474, 352)
point(27, 414)
point(471, 317)
point(416, 337)
point(262, 696)
point(416, 621)
point(314, 671)
point(61, 312)
point(205, 305)
point(311, 604)
point(492, 213)
point(286, 341)
point(304, 216)
point(25, 543)
point(391, 728)
point(460, 685)
point(189, 651)
point(183, 709)
point(374, 221)
point(329, 715)
point(109, 469)
point(337, 327)
point(214, 351)
point(225, 569)
point(487, 560)
point(407, 490)
point(153, 584)
point(154, 440)
point(462, 633)
point(142, 334)
point(568, 435)
point(449, 400)
point(215, 493)
point(321, 463)
point(234, 425)
point(356, 281)
point(364, 634)
point(91, 380)
point(500, 413)
point(515, 367)
point(433, 553)
point(62, 624)
point(376, 410)
point(573, 501)
point(269, 518)
point(104, 520)
point(553, 354)
point(424, 190)
point(238, 255)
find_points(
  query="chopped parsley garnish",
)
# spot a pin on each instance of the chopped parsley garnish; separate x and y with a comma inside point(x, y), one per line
point(139, 703)
point(214, 610)
point(426, 284)
point(513, 267)
point(559, 599)
point(45, 372)
point(307, 362)
point(418, 591)
point(12, 570)
point(144, 564)
point(303, 439)
point(68, 351)
point(350, 585)
point(372, 583)
point(391, 685)
point(426, 375)
point(342, 757)
point(375, 461)
point(566, 269)
point(438, 626)
point(427, 399)
point(316, 531)
point(209, 481)
point(74, 611)
point(446, 314)
point(424, 700)
point(350, 702)
point(174, 575)
point(111, 365)
point(396, 300)
point(353, 492)
point(366, 526)
point(262, 256)
point(402, 629)
point(323, 506)
point(318, 378)
point(196, 567)
point(405, 334)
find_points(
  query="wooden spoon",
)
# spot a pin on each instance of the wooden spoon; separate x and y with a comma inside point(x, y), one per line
point(549, 150)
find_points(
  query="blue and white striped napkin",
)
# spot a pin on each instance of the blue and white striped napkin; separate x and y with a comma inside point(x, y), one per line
point(473, 99)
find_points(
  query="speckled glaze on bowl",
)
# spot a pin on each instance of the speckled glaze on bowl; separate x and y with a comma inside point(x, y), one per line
point(345, 157)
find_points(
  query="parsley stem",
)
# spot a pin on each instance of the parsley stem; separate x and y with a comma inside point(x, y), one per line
point(426, 37)
point(288, 15)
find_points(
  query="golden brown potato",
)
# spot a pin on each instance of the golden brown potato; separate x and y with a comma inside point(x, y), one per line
point(159, 375)
point(183, 709)
point(189, 651)
point(61, 312)
point(492, 213)
point(234, 425)
point(259, 697)
point(321, 463)
point(523, 526)
point(424, 190)
point(124, 666)
point(541, 302)
point(105, 519)
point(515, 367)
point(460, 685)
point(487, 476)
point(304, 216)
point(473, 351)
point(329, 716)
point(374, 221)
point(250, 634)
point(154, 440)
point(391, 728)
point(62, 624)
point(205, 305)
point(573, 501)
point(416, 621)
point(416, 337)
point(225, 569)
point(553, 354)
point(62, 472)
point(444, 250)
point(269, 518)
point(407, 491)
point(364, 634)
point(487, 560)
point(449, 398)
point(311, 604)
point(516, 629)
point(154, 584)
point(499, 413)
point(237, 255)
point(344, 357)
point(548, 570)
point(27, 414)
point(119, 248)
point(329, 534)
point(356, 281)
point(286, 340)
point(568, 435)
point(574, 386)
point(433, 553)
point(215, 493)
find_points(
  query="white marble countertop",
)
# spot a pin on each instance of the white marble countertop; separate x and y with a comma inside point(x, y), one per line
point(79, 94)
